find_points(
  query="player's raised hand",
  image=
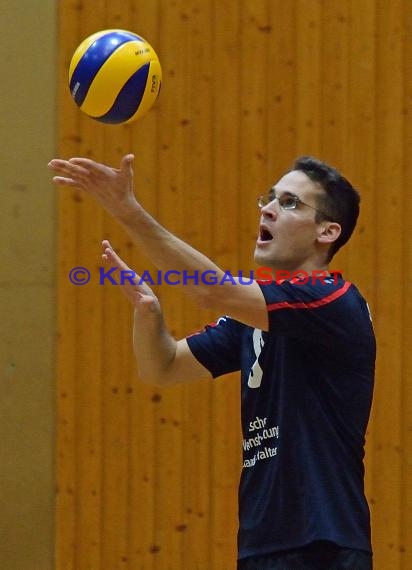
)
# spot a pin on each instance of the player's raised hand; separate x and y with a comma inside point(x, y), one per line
point(139, 293)
point(111, 187)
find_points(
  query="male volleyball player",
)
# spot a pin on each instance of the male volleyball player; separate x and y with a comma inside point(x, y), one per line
point(305, 349)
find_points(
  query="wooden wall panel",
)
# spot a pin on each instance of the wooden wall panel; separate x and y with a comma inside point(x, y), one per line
point(142, 531)
point(147, 479)
point(281, 90)
point(406, 354)
point(224, 247)
point(89, 332)
point(361, 133)
point(196, 221)
point(386, 477)
point(309, 77)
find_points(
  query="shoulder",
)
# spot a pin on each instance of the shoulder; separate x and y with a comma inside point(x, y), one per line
point(309, 292)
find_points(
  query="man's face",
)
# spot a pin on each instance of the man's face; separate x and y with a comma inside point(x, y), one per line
point(288, 238)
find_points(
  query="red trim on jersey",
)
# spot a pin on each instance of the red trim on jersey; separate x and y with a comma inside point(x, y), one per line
point(212, 324)
point(311, 304)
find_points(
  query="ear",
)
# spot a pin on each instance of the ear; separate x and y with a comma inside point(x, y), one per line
point(328, 232)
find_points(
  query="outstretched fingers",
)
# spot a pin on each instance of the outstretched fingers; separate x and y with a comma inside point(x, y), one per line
point(112, 188)
point(137, 291)
point(68, 172)
point(109, 255)
point(87, 166)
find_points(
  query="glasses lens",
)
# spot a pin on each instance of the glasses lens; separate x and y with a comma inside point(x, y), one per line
point(288, 202)
point(285, 202)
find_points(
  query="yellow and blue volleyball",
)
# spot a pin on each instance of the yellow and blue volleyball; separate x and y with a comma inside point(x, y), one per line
point(115, 76)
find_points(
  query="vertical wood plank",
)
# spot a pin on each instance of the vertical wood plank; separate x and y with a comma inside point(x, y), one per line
point(172, 180)
point(89, 335)
point(333, 90)
point(196, 221)
point(68, 139)
point(334, 80)
point(86, 505)
point(359, 168)
point(309, 20)
point(143, 547)
point(389, 173)
point(281, 92)
point(405, 547)
point(115, 434)
point(224, 443)
point(255, 33)
point(116, 386)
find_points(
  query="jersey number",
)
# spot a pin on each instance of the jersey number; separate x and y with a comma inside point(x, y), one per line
point(256, 372)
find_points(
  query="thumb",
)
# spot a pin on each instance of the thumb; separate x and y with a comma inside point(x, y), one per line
point(126, 164)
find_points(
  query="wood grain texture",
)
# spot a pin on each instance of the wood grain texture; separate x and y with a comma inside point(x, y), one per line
point(147, 479)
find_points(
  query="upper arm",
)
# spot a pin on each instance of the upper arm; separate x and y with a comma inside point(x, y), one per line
point(184, 367)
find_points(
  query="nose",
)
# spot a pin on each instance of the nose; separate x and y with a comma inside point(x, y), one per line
point(269, 211)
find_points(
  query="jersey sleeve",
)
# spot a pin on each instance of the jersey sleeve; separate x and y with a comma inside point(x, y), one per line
point(217, 346)
point(323, 311)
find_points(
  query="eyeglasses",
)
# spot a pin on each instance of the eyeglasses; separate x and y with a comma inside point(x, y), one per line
point(286, 202)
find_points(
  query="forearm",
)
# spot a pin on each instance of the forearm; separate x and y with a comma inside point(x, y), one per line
point(154, 347)
point(168, 252)
point(161, 359)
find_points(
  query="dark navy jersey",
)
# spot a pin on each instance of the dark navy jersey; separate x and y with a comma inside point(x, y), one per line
point(306, 391)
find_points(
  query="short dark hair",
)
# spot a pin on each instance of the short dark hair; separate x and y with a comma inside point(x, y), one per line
point(340, 200)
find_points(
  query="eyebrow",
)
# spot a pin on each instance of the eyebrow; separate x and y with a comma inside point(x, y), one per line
point(272, 192)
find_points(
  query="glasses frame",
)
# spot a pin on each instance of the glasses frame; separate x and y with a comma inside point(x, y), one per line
point(266, 199)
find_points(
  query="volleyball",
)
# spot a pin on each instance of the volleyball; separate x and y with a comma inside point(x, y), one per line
point(115, 76)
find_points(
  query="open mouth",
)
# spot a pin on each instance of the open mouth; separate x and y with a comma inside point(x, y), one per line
point(264, 234)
